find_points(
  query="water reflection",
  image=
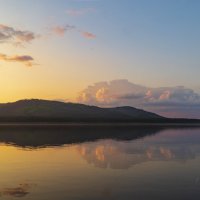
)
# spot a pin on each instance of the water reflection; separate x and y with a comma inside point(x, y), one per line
point(95, 163)
point(169, 145)
point(40, 137)
point(21, 190)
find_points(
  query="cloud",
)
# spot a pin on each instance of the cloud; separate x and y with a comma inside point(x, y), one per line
point(132, 96)
point(25, 59)
point(15, 36)
point(168, 101)
point(62, 30)
point(88, 35)
point(80, 12)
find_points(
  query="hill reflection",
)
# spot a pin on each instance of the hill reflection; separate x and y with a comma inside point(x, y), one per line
point(111, 147)
point(41, 137)
point(99, 162)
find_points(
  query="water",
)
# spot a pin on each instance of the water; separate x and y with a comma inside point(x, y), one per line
point(89, 163)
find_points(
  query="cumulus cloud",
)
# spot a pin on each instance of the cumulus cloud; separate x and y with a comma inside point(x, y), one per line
point(112, 93)
point(25, 59)
point(168, 101)
point(62, 30)
point(9, 34)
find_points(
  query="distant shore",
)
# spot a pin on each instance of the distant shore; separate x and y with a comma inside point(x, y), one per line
point(95, 124)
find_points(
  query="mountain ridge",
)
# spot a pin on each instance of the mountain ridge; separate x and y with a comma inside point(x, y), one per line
point(39, 110)
point(56, 109)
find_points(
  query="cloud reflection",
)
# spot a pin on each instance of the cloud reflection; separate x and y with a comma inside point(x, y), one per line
point(123, 155)
point(20, 191)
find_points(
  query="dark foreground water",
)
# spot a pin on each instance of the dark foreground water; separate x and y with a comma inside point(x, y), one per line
point(89, 163)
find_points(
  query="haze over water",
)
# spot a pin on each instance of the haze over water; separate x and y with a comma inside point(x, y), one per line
point(100, 163)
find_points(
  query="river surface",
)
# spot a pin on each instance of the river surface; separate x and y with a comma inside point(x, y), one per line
point(99, 163)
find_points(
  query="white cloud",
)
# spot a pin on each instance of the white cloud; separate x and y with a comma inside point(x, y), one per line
point(168, 101)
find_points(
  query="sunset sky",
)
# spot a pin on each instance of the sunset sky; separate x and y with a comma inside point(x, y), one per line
point(142, 53)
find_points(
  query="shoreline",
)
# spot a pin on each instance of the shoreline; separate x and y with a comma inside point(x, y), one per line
point(87, 124)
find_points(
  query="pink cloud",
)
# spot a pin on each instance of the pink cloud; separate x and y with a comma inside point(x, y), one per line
point(167, 101)
point(25, 59)
point(62, 30)
point(11, 35)
point(88, 35)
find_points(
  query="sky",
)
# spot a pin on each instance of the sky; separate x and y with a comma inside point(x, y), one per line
point(142, 53)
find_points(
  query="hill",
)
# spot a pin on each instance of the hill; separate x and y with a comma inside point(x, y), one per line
point(36, 110)
point(44, 110)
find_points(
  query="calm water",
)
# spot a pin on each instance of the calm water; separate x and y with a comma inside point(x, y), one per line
point(89, 163)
